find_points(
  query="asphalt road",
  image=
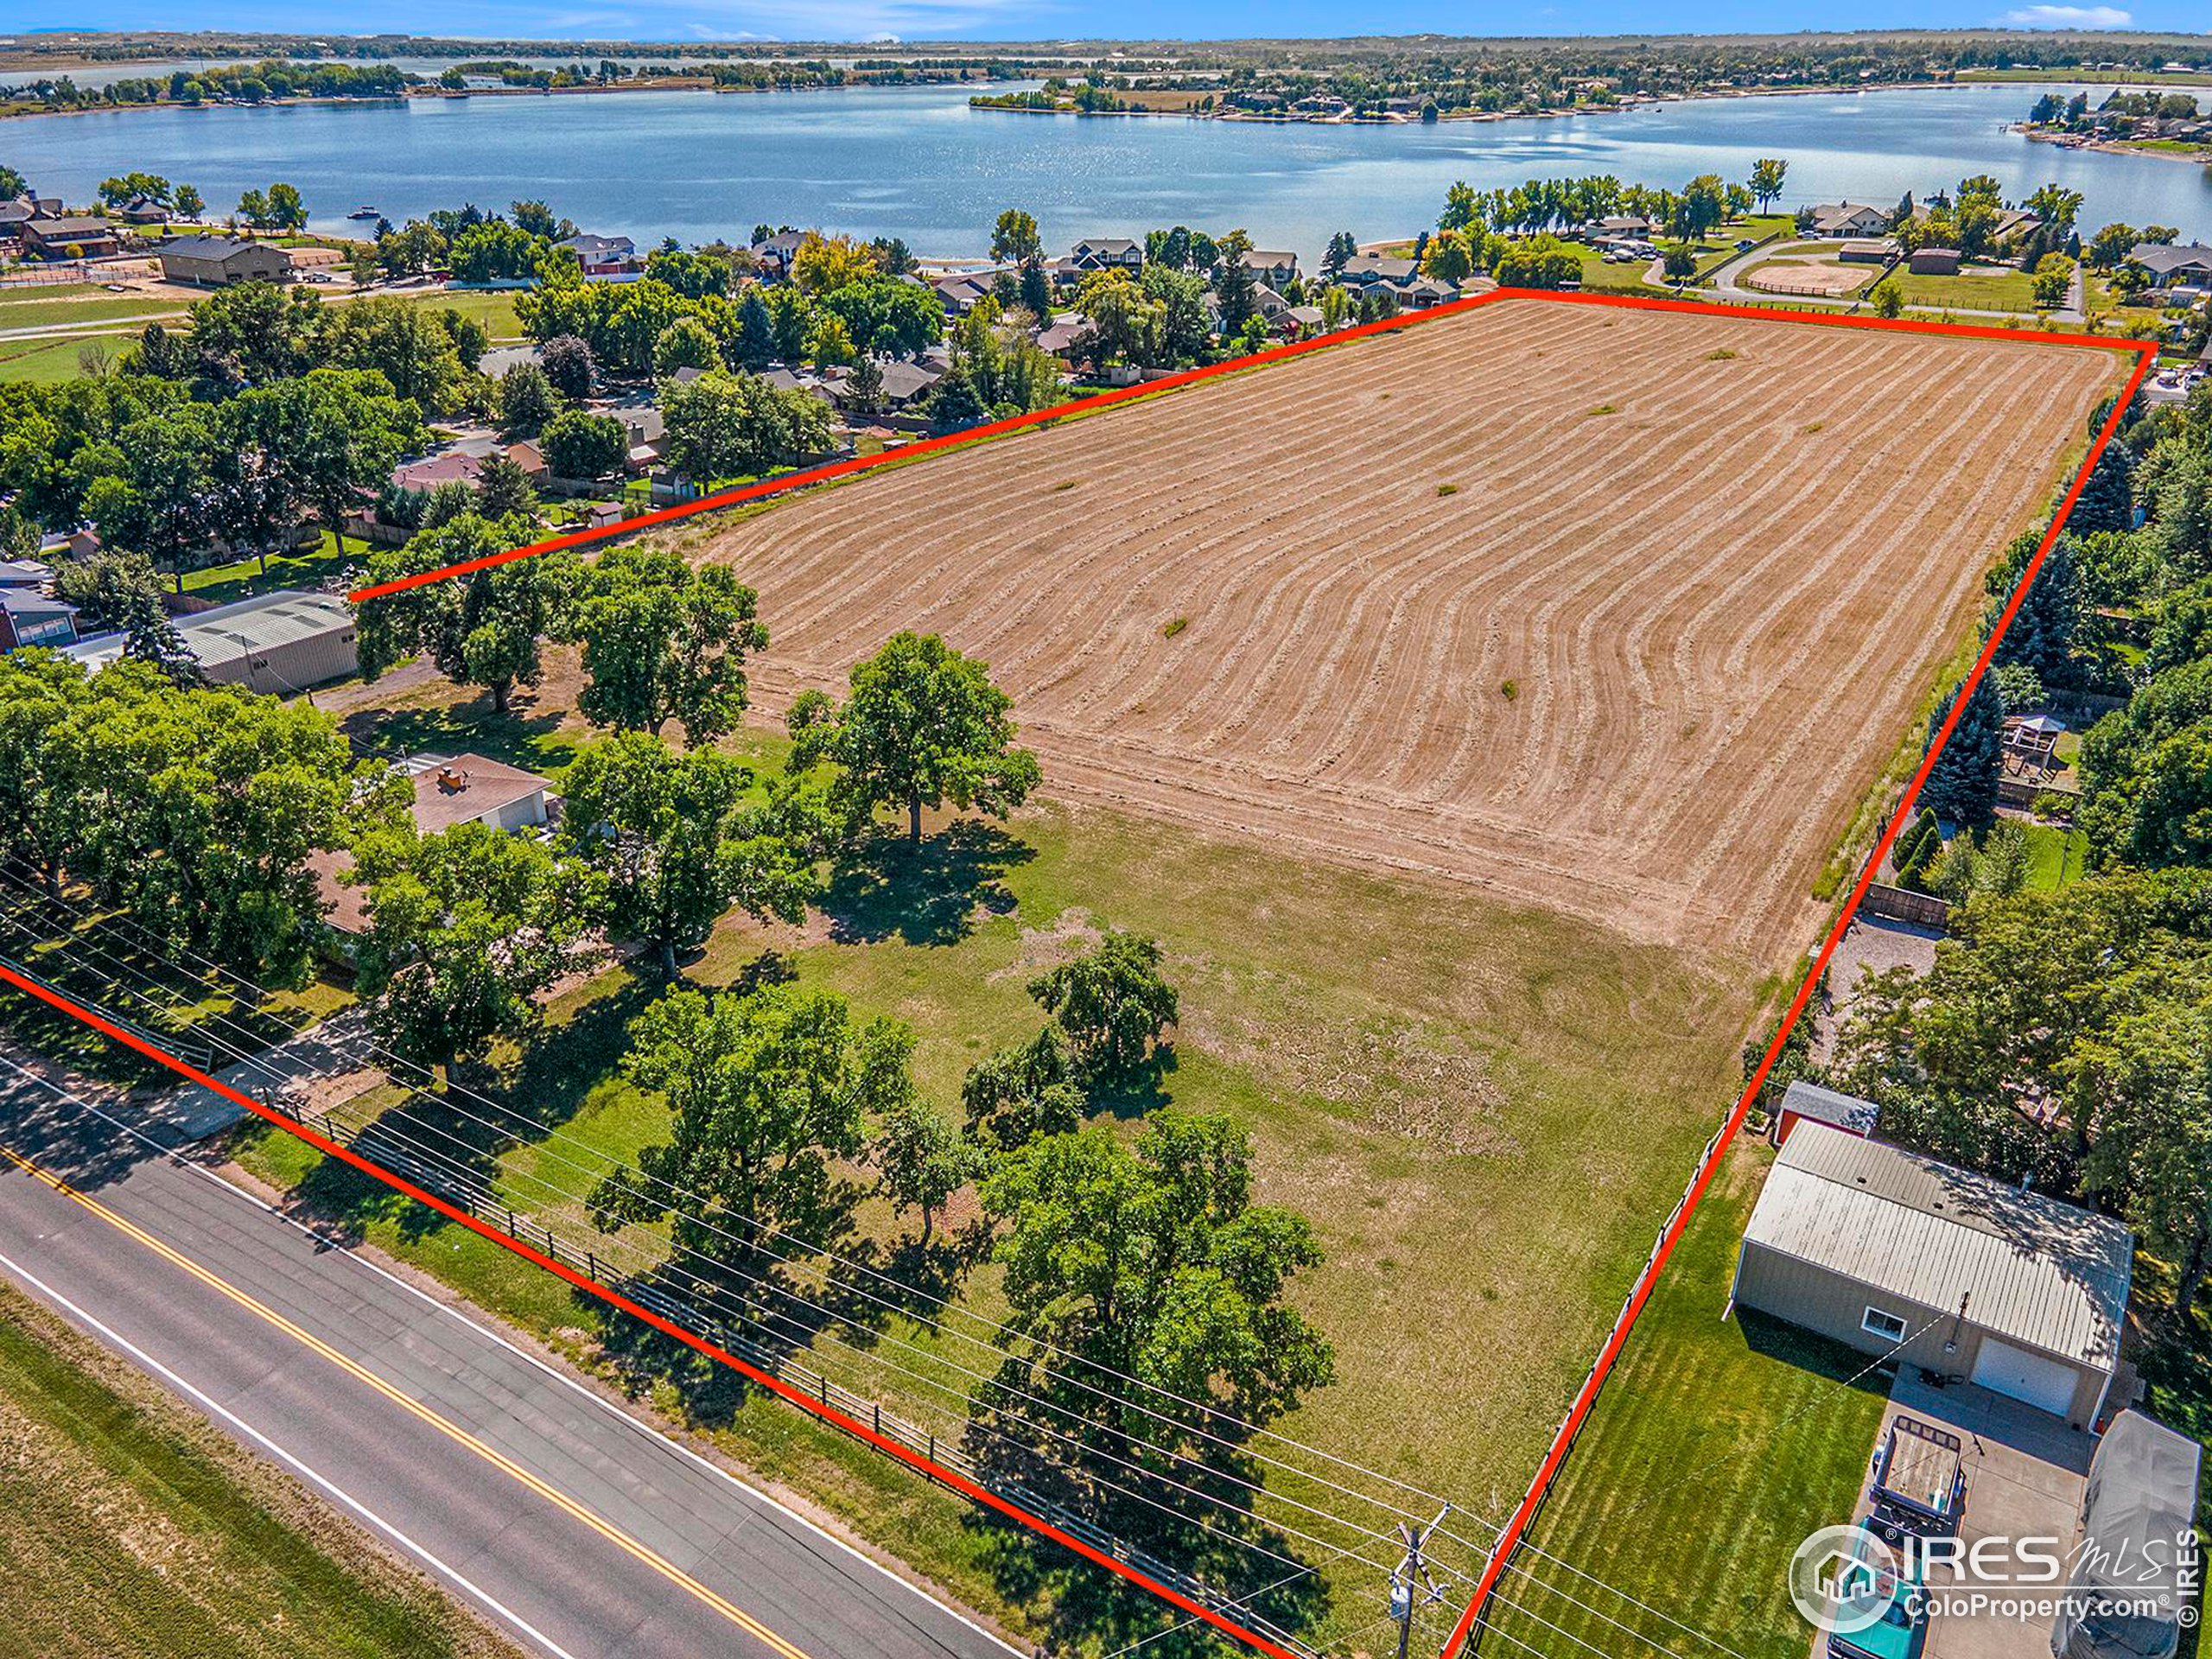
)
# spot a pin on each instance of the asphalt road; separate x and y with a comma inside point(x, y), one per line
point(573, 1526)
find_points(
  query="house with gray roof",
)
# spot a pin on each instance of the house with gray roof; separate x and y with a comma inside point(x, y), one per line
point(2174, 266)
point(1902, 1257)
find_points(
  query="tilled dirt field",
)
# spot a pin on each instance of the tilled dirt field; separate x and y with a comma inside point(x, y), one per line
point(1614, 613)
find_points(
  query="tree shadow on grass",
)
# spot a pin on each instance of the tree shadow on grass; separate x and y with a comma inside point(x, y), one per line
point(889, 888)
point(516, 737)
point(1223, 1544)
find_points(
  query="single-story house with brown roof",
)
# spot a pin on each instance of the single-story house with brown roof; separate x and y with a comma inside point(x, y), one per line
point(449, 790)
point(70, 239)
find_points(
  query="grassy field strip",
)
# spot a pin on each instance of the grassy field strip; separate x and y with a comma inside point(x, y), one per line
point(150, 1534)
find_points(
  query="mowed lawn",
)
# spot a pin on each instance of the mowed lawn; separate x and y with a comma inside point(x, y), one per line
point(130, 1530)
point(1715, 1448)
point(1483, 1111)
point(1973, 290)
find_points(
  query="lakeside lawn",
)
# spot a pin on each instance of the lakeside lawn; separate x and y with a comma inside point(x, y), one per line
point(493, 307)
point(1484, 1112)
point(148, 1535)
point(1715, 1448)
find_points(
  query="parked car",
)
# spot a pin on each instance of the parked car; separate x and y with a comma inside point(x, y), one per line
point(1745, 244)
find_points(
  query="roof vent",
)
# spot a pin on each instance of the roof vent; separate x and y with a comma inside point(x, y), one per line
point(452, 777)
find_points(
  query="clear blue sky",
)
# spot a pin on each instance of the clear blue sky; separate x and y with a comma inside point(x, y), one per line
point(1052, 19)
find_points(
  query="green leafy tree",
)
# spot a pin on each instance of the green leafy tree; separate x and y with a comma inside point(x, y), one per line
point(679, 844)
point(687, 343)
point(1014, 240)
point(584, 446)
point(106, 585)
point(2146, 1086)
point(1768, 176)
point(401, 341)
point(465, 930)
point(1022, 1092)
point(724, 425)
point(343, 432)
point(1150, 1263)
point(196, 812)
point(2146, 774)
point(924, 726)
point(763, 1092)
point(484, 629)
point(1113, 1006)
point(923, 1159)
point(1887, 298)
point(663, 640)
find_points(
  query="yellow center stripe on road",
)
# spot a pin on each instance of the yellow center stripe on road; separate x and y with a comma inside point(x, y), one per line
point(452, 1431)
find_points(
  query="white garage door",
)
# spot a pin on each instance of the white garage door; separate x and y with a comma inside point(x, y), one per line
point(2023, 1375)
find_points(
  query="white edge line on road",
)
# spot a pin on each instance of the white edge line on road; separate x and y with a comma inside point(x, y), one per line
point(456, 1313)
point(206, 1402)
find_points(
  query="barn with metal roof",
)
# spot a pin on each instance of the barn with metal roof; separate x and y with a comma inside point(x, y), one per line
point(1890, 1252)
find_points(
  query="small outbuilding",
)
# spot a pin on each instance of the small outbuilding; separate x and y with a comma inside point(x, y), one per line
point(1894, 1254)
point(219, 261)
point(1934, 261)
point(1808, 1103)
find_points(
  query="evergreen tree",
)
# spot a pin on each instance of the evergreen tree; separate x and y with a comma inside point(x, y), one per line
point(2108, 501)
point(1961, 787)
point(2041, 634)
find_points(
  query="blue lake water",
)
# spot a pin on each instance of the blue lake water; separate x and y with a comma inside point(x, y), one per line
point(919, 163)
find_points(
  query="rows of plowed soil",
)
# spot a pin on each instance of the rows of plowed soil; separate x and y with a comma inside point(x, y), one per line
point(1713, 559)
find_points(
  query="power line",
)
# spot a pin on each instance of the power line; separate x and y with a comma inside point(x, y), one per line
point(805, 1335)
point(615, 1172)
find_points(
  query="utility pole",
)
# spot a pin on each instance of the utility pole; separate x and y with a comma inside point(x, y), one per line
point(1411, 1582)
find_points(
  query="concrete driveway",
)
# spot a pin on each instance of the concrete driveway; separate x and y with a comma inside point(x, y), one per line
point(2025, 1470)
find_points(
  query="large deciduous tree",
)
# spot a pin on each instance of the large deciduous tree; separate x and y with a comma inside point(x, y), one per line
point(723, 425)
point(466, 928)
point(663, 640)
point(679, 843)
point(1149, 1263)
point(1114, 1005)
point(764, 1091)
point(482, 629)
point(924, 726)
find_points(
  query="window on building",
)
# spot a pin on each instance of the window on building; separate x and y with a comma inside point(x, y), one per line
point(1888, 1326)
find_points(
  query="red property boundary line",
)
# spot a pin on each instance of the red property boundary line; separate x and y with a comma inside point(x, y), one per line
point(615, 1298)
point(1515, 1529)
point(858, 464)
point(1511, 1537)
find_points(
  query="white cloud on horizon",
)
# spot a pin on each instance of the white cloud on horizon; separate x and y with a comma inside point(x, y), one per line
point(2066, 17)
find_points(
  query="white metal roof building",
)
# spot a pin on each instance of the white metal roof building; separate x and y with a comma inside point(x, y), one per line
point(281, 642)
point(1886, 1250)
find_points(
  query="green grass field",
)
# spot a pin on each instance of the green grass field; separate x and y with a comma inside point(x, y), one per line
point(48, 359)
point(1716, 1448)
point(1423, 1072)
point(39, 306)
point(2056, 855)
point(493, 307)
point(2011, 290)
point(147, 1535)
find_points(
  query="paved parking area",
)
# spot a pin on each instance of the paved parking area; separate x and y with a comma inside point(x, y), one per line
point(2024, 1471)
